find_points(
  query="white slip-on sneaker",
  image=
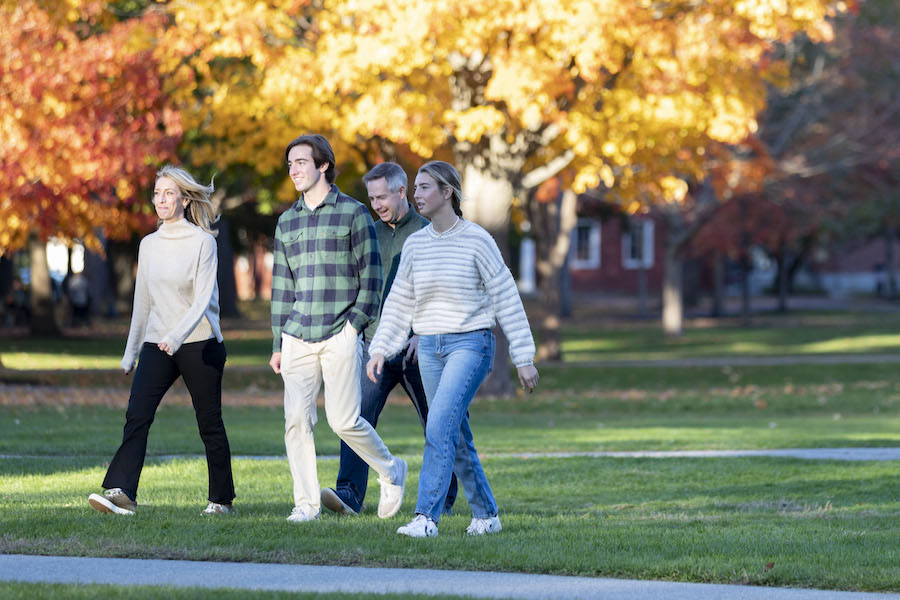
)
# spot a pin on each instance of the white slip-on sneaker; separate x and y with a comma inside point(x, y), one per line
point(214, 508)
point(301, 514)
point(419, 527)
point(113, 500)
point(483, 526)
point(392, 493)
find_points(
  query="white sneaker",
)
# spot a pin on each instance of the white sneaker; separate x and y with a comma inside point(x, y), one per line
point(483, 526)
point(114, 500)
point(301, 514)
point(419, 527)
point(214, 508)
point(392, 493)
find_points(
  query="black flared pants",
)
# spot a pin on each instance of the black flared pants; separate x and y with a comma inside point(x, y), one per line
point(200, 364)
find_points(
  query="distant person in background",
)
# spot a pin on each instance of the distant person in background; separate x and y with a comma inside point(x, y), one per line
point(386, 187)
point(78, 293)
point(175, 329)
point(450, 287)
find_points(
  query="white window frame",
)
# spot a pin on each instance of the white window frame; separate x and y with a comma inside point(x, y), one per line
point(593, 259)
point(647, 245)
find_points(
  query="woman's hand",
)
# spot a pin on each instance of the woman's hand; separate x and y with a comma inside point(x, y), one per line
point(528, 377)
point(374, 367)
point(165, 348)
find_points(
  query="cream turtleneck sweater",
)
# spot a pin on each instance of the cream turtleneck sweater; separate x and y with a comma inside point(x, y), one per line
point(176, 295)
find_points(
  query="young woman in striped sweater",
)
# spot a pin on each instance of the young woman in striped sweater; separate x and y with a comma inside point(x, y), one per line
point(451, 287)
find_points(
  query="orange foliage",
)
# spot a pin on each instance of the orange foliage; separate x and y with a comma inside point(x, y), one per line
point(84, 121)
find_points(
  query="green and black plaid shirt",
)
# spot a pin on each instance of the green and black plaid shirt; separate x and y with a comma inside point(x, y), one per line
point(327, 269)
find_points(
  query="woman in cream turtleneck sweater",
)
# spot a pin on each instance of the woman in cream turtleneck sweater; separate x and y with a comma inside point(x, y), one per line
point(175, 332)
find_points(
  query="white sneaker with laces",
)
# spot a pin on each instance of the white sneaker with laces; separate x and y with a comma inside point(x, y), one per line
point(483, 526)
point(301, 514)
point(392, 493)
point(419, 527)
point(214, 508)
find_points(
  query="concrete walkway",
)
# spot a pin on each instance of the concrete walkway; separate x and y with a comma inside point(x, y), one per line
point(303, 578)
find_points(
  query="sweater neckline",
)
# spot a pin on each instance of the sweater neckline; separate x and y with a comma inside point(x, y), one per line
point(180, 228)
point(450, 233)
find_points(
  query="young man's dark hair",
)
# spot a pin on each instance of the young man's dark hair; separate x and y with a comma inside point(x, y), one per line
point(321, 152)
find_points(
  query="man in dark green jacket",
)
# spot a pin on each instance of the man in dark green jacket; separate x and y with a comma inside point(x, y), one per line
point(386, 187)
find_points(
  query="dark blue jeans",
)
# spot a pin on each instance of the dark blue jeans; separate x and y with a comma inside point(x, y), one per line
point(353, 475)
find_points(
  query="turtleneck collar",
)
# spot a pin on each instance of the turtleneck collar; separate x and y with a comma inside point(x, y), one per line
point(181, 228)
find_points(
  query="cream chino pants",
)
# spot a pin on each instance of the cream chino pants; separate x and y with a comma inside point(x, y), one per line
point(305, 366)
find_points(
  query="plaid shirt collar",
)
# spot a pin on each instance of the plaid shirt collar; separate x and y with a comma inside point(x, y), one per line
point(330, 198)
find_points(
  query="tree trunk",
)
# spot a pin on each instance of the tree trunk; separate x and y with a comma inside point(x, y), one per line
point(782, 278)
point(673, 284)
point(890, 235)
point(746, 266)
point(552, 223)
point(6, 275)
point(488, 200)
point(227, 284)
point(565, 289)
point(43, 321)
point(123, 260)
point(98, 271)
point(718, 304)
point(745, 289)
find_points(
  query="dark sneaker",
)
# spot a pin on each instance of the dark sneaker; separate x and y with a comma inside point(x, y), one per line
point(114, 500)
point(214, 508)
point(331, 499)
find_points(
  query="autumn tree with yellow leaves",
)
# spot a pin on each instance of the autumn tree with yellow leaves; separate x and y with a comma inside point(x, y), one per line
point(624, 95)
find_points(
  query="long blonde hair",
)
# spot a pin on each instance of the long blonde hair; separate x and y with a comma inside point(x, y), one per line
point(200, 210)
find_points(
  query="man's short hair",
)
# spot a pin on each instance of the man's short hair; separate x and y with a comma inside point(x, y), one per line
point(391, 172)
point(321, 152)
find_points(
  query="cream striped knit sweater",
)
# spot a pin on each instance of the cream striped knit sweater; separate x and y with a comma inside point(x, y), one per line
point(453, 283)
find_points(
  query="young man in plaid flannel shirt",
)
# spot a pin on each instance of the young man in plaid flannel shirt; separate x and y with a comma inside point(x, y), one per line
point(326, 284)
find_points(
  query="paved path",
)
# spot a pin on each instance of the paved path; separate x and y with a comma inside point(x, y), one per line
point(851, 454)
point(303, 578)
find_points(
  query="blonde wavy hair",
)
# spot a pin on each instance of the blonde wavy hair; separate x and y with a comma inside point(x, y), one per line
point(200, 210)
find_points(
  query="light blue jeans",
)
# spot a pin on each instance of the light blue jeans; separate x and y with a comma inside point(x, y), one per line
point(453, 367)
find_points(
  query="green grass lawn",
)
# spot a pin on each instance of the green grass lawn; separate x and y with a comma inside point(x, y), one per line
point(249, 343)
point(824, 524)
point(575, 409)
point(795, 335)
